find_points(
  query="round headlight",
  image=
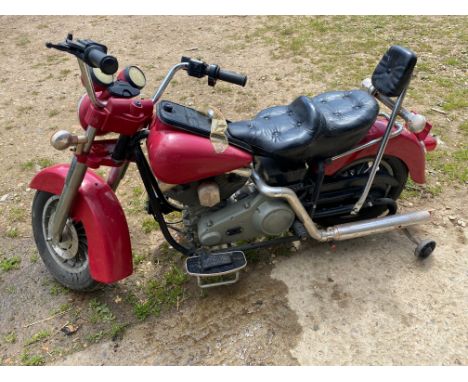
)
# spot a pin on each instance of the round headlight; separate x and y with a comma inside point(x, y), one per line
point(101, 78)
point(135, 77)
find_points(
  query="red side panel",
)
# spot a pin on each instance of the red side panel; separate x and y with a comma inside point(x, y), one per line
point(97, 207)
point(178, 157)
point(405, 147)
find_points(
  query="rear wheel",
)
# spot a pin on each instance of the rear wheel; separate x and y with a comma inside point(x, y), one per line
point(67, 261)
point(389, 166)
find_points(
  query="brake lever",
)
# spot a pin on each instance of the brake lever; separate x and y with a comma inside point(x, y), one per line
point(60, 46)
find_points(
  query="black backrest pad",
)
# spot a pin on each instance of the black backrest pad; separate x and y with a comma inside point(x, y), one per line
point(394, 70)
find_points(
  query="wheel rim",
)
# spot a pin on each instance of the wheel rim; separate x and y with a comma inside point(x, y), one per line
point(71, 254)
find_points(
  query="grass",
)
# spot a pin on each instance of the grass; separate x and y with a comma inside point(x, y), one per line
point(451, 165)
point(117, 331)
point(159, 295)
point(95, 337)
point(62, 308)
point(464, 127)
point(149, 225)
point(41, 162)
point(39, 336)
point(32, 360)
point(45, 162)
point(137, 191)
point(28, 165)
point(456, 100)
point(24, 109)
point(64, 73)
point(135, 206)
point(52, 113)
point(100, 312)
point(57, 289)
point(338, 52)
point(10, 263)
point(17, 214)
point(10, 338)
point(22, 41)
point(138, 258)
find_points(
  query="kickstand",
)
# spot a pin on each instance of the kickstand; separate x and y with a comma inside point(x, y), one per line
point(410, 235)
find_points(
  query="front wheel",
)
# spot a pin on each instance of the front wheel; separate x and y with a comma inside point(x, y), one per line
point(67, 261)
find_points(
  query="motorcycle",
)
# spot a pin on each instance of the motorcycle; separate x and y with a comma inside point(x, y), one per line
point(327, 168)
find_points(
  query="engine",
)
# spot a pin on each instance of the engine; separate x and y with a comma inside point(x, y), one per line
point(241, 213)
point(252, 216)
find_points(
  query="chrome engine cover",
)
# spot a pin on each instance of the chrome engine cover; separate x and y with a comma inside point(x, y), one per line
point(252, 216)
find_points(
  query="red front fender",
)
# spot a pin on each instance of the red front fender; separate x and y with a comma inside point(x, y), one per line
point(406, 147)
point(97, 207)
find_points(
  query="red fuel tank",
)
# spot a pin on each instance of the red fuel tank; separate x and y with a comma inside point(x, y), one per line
point(179, 157)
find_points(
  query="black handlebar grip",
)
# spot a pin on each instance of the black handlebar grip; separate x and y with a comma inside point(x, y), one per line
point(232, 77)
point(98, 59)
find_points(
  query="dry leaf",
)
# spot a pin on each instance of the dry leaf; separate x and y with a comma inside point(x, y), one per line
point(69, 329)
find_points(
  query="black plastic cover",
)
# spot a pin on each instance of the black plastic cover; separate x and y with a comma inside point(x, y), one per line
point(394, 70)
point(122, 89)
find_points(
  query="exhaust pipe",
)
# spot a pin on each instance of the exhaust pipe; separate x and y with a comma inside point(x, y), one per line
point(377, 225)
point(342, 231)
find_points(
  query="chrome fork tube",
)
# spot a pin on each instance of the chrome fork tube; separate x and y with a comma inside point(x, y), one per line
point(73, 181)
point(375, 166)
point(116, 174)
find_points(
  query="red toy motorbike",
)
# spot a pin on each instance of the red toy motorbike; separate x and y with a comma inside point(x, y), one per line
point(328, 168)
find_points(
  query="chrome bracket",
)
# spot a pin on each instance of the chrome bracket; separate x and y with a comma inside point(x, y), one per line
point(383, 145)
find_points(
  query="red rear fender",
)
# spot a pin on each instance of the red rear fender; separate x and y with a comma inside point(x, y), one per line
point(97, 207)
point(406, 147)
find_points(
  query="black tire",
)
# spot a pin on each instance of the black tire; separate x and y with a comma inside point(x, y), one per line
point(72, 272)
point(391, 166)
point(425, 249)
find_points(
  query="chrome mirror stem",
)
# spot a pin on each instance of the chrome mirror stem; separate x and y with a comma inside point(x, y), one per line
point(165, 82)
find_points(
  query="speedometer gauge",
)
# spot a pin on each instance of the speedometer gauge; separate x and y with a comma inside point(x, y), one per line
point(135, 76)
point(101, 78)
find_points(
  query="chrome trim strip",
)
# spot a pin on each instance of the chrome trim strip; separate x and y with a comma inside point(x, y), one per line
point(396, 133)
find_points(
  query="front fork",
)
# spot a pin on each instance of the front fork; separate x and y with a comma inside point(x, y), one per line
point(72, 184)
point(116, 174)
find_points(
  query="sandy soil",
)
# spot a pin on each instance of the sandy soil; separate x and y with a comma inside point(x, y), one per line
point(367, 302)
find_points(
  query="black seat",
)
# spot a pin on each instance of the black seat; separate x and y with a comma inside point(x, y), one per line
point(318, 127)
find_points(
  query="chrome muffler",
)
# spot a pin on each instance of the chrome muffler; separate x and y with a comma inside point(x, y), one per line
point(341, 231)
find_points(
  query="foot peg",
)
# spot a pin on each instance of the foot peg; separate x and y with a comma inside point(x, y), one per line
point(208, 265)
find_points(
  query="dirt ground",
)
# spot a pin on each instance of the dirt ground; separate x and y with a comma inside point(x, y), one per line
point(369, 301)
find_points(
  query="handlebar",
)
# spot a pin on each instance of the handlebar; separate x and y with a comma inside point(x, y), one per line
point(232, 77)
point(199, 69)
point(96, 58)
point(90, 52)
